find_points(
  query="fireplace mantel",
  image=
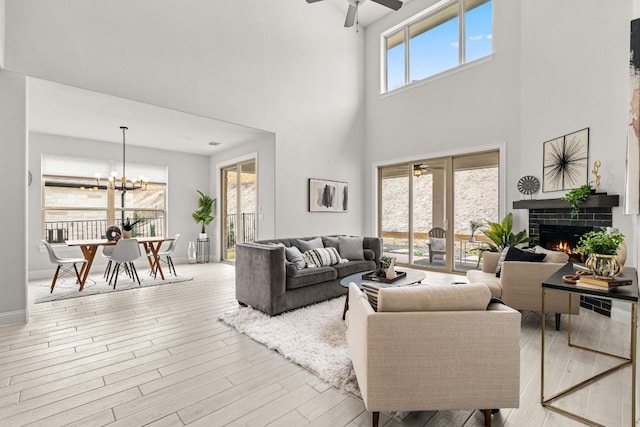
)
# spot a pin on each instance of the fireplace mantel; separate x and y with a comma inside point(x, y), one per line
point(593, 201)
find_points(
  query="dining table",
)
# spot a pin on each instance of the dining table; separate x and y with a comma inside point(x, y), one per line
point(90, 248)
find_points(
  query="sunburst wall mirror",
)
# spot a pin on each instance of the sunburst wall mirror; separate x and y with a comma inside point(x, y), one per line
point(566, 161)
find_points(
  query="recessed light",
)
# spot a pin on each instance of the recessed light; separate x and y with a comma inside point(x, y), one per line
point(215, 144)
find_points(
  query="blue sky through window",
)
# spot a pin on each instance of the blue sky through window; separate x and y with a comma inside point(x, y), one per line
point(437, 49)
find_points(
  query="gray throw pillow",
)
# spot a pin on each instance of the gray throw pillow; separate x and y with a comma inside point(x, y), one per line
point(438, 243)
point(294, 255)
point(307, 245)
point(330, 242)
point(351, 248)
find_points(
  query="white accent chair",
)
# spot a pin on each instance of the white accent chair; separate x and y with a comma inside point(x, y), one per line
point(125, 252)
point(434, 348)
point(63, 263)
point(166, 254)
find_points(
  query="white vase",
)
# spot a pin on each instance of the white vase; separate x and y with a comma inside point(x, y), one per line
point(191, 253)
point(391, 270)
point(202, 236)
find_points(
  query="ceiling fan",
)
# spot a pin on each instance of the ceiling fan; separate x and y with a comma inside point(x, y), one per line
point(352, 12)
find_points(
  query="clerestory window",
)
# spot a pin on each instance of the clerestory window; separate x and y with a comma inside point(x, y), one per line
point(446, 35)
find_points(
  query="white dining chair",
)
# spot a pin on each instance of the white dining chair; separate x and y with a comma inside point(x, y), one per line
point(107, 251)
point(64, 264)
point(125, 252)
point(165, 257)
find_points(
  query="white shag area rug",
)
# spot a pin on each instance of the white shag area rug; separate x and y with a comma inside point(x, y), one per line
point(67, 287)
point(314, 337)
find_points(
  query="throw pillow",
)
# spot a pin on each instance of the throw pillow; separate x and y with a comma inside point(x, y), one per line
point(330, 242)
point(501, 260)
point(294, 255)
point(371, 290)
point(515, 254)
point(438, 243)
point(552, 256)
point(307, 245)
point(351, 248)
point(322, 257)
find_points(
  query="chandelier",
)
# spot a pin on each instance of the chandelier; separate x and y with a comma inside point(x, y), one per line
point(122, 183)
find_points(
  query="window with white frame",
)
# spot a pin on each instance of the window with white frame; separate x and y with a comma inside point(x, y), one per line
point(79, 204)
point(446, 35)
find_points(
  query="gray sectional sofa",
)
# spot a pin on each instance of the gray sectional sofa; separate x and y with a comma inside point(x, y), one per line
point(272, 275)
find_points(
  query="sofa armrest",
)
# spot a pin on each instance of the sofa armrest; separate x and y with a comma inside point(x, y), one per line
point(434, 360)
point(260, 274)
point(375, 244)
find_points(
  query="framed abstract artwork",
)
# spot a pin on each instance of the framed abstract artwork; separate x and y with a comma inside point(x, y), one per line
point(328, 196)
point(566, 161)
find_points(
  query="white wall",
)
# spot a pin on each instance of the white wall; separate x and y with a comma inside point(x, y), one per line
point(575, 75)
point(186, 173)
point(285, 66)
point(462, 111)
point(13, 171)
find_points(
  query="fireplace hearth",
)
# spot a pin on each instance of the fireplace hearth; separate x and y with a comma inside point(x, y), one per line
point(563, 238)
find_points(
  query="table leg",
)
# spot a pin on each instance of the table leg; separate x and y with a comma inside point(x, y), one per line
point(346, 306)
point(89, 252)
point(153, 258)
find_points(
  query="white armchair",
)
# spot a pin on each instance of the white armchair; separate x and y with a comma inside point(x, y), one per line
point(432, 358)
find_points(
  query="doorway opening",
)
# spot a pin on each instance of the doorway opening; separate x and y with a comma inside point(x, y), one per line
point(239, 202)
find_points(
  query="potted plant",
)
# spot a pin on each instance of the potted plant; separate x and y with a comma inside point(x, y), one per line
point(128, 226)
point(501, 235)
point(475, 226)
point(203, 214)
point(601, 247)
point(576, 197)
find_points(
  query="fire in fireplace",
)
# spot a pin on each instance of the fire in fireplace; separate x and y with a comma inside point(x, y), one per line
point(563, 238)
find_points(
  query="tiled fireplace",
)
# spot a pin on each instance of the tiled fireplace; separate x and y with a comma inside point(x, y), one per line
point(551, 226)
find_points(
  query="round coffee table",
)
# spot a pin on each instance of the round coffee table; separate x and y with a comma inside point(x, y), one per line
point(412, 277)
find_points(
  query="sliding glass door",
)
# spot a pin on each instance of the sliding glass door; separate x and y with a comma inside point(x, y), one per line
point(239, 194)
point(427, 207)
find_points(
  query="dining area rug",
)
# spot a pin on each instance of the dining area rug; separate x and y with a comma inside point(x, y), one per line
point(67, 287)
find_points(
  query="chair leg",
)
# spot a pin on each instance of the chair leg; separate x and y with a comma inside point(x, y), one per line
point(557, 321)
point(375, 417)
point(134, 272)
point(114, 275)
point(171, 266)
point(107, 270)
point(55, 277)
point(487, 417)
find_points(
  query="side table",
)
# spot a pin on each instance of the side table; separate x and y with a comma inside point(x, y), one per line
point(622, 293)
point(202, 251)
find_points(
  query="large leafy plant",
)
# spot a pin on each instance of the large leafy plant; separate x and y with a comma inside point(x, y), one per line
point(502, 236)
point(205, 208)
point(604, 242)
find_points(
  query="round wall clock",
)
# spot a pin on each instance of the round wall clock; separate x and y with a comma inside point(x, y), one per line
point(528, 185)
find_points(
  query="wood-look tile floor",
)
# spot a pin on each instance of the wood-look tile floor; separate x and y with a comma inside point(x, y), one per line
point(159, 357)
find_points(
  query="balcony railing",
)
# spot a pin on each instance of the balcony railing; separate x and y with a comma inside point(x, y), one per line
point(246, 222)
point(59, 231)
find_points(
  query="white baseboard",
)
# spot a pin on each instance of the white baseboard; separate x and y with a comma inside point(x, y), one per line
point(12, 317)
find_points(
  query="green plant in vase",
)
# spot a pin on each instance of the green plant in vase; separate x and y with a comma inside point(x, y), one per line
point(203, 214)
point(475, 226)
point(601, 248)
point(576, 197)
